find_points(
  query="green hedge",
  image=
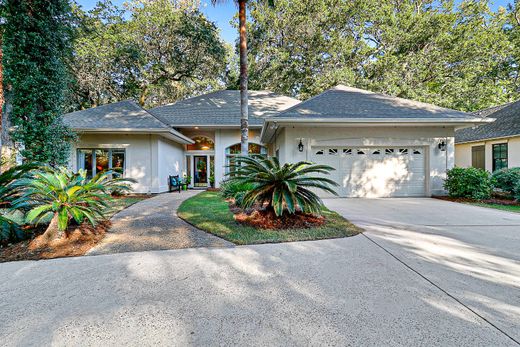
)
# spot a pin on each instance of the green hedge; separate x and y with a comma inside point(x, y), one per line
point(468, 183)
point(507, 179)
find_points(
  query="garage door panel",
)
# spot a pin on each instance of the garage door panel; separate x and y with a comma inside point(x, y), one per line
point(375, 172)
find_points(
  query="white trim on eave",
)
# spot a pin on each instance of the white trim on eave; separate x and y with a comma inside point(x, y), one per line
point(171, 134)
point(487, 139)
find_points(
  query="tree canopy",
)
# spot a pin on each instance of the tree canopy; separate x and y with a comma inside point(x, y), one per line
point(159, 52)
point(461, 56)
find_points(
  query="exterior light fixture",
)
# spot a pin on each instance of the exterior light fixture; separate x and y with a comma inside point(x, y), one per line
point(442, 146)
point(300, 146)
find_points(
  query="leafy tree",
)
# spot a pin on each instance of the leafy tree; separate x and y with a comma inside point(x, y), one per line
point(425, 50)
point(36, 42)
point(60, 195)
point(157, 52)
point(284, 188)
point(97, 65)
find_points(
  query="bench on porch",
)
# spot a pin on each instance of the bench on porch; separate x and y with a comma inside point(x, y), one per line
point(174, 183)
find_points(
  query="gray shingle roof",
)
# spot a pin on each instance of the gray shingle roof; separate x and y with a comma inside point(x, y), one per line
point(119, 115)
point(222, 108)
point(346, 102)
point(507, 123)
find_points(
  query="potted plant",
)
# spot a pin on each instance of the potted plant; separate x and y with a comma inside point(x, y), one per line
point(187, 181)
point(212, 181)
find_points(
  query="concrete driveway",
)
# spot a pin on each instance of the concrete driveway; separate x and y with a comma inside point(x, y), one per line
point(470, 253)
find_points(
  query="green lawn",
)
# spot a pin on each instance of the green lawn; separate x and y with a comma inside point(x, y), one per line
point(509, 208)
point(210, 212)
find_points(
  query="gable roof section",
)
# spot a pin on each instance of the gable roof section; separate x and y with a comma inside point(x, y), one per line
point(222, 108)
point(506, 124)
point(342, 102)
point(122, 116)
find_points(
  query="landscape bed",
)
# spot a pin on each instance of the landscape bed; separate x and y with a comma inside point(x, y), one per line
point(210, 212)
point(497, 203)
point(81, 238)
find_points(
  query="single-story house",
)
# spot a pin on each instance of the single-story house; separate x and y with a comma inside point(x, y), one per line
point(491, 146)
point(380, 146)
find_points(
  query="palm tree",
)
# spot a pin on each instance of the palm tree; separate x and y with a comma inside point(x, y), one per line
point(244, 122)
point(284, 188)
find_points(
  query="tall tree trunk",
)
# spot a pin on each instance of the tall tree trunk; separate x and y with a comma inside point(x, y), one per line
point(1, 98)
point(244, 122)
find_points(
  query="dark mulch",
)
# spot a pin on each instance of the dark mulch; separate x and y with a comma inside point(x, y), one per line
point(497, 201)
point(259, 217)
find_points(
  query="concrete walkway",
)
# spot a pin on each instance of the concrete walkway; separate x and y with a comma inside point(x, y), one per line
point(152, 224)
point(471, 253)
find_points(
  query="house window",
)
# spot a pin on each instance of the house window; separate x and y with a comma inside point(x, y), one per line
point(360, 152)
point(403, 150)
point(333, 151)
point(376, 151)
point(499, 156)
point(233, 151)
point(389, 151)
point(347, 151)
point(98, 160)
point(320, 152)
point(202, 143)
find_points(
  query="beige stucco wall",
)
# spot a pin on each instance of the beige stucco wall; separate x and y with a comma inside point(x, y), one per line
point(429, 137)
point(142, 157)
point(463, 152)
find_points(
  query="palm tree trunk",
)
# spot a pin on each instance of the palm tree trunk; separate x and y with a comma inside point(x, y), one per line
point(51, 233)
point(244, 122)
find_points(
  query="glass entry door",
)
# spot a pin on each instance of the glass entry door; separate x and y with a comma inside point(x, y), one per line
point(200, 164)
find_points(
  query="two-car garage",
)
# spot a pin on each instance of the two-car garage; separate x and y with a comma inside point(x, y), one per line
point(375, 171)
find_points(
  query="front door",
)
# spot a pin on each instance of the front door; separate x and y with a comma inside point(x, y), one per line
point(201, 171)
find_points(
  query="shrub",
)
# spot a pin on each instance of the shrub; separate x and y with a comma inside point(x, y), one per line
point(229, 189)
point(506, 179)
point(60, 195)
point(516, 191)
point(284, 188)
point(468, 183)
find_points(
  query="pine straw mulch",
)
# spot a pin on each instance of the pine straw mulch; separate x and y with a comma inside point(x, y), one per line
point(80, 238)
point(78, 241)
point(261, 218)
point(496, 200)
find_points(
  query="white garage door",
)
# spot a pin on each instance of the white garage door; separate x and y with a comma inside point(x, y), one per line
point(375, 172)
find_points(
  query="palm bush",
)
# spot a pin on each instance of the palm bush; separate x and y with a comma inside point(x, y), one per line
point(10, 191)
point(235, 190)
point(284, 188)
point(59, 195)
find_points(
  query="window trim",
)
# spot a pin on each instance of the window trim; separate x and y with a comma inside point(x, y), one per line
point(494, 159)
point(93, 153)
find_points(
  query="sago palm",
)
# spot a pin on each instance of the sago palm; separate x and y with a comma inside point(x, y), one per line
point(244, 117)
point(60, 195)
point(10, 191)
point(284, 188)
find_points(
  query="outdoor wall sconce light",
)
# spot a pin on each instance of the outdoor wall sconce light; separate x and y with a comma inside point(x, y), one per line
point(300, 146)
point(442, 146)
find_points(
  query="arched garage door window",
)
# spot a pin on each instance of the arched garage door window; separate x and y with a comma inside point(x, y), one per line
point(234, 150)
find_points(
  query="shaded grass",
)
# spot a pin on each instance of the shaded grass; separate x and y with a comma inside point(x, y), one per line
point(208, 211)
point(509, 208)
